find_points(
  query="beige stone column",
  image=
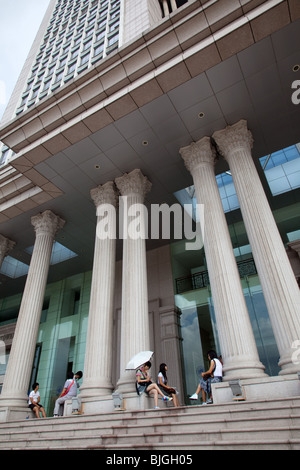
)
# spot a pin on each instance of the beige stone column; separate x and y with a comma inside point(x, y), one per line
point(135, 316)
point(237, 342)
point(165, 7)
point(17, 377)
point(173, 5)
point(277, 279)
point(98, 355)
point(6, 246)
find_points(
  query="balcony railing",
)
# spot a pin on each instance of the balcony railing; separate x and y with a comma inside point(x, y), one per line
point(201, 279)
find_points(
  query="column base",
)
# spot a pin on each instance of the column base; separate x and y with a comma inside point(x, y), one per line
point(243, 370)
point(91, 405)
point(90, 391)
point(269, 388)
point(105, 404)
point(288, 367)
point(9, 413)
point(126, 383)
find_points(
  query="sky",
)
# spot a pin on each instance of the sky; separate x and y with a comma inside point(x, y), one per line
point(19, 23)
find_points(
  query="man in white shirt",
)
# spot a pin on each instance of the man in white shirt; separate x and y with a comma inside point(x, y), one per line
point(69, 391)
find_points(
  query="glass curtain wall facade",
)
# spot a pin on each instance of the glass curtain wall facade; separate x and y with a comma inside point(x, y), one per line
point(62, 334)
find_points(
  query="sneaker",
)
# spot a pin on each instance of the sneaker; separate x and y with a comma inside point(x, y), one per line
point(194, 397)
point(167, 398)
point(156, 408)
point(204, 403)
point(209, 402)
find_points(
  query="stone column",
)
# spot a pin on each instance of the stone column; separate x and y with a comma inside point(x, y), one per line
point(173, 5)
point(277, 279)
point(237, 342)
point(165, 7)
point(135, 316)
point(6, 246)
point(17, 377)
point(98, 355)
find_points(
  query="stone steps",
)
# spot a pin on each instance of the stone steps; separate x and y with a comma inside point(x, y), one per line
point(245, 425)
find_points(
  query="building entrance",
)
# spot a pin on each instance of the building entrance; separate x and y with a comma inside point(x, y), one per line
point(199, 330)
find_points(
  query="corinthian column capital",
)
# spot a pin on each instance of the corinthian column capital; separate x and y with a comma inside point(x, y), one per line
point(47, 223)
point(104, 194)
point(5, 246)
point(133, 183)
point(232, 138)
point(198, 153)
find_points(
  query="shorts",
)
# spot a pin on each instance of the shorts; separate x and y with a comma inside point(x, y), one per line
point(141, 388)
point(31, 406)
point(206, 384)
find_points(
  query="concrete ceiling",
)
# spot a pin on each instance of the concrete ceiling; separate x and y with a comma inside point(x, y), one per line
point(254, 84)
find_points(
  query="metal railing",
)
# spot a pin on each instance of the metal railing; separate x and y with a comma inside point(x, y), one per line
point(201, 279)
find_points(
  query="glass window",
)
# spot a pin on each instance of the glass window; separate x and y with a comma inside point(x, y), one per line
point(4, 155)
point(46, 85)
point(112, 40)
point(87, 45)
point(71, 67)
point(99, 49)
point(85, 59)
point(75, 53)
point(282, 169)
point(35, 92)
point(58, 77)
point(13, 268)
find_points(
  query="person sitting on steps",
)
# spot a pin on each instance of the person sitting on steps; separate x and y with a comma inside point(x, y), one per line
point(162, 382)
point(212, 375)
point(144, 384)
point(34, 401)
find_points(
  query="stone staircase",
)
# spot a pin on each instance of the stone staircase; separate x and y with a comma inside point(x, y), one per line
point(260, 425)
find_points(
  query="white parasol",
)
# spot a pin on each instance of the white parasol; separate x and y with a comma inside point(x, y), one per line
point(139, 359)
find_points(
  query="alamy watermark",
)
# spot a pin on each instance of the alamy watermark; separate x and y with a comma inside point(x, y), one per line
point(165, 222)
point(296, 94)
point(296, 353)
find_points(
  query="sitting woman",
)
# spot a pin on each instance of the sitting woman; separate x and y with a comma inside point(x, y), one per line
point(162, 381)
point(144, 384)
point(212, 375)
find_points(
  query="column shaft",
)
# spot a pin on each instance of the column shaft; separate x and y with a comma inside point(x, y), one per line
point(165, 7)
point(17, 377)
point(98, 355)
point(173, 5)
point(237, 342)
point(277, 279)
point(135, 316)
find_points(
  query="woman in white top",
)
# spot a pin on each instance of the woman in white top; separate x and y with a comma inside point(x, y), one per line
point(34, 401)
point(162, 382)
point(213, 375)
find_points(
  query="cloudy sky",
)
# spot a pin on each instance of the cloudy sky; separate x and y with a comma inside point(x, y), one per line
point(19, 23)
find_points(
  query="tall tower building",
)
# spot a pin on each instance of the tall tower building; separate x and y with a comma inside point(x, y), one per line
point(189, 111)
point(76, 35)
